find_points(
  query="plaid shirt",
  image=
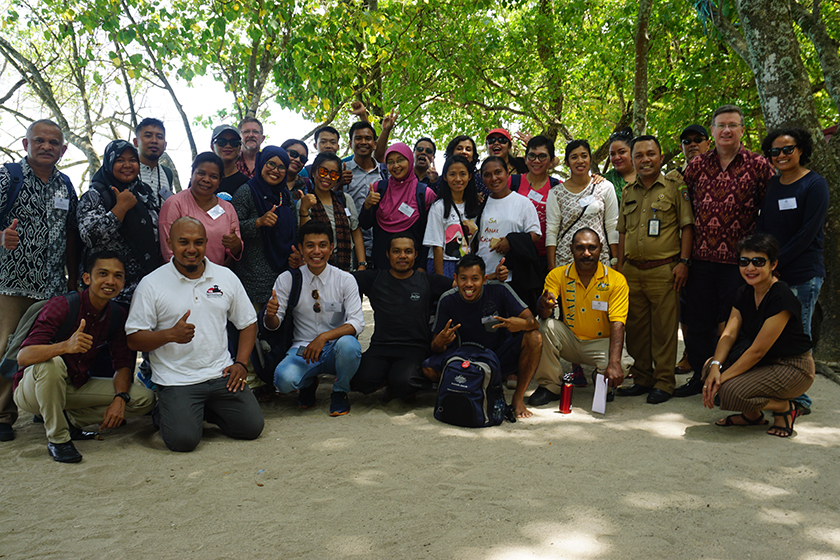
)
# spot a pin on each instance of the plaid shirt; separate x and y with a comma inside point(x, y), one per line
point(725, 201)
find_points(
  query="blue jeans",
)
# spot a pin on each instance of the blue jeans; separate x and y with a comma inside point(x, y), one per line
point(807, 295)
point(340, 357)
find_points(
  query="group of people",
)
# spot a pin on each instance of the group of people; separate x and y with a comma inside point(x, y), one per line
point(248, 283)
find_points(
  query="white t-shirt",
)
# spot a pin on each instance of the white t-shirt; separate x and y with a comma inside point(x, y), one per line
point(447, 233)
point(501, 216)
point(162, 298)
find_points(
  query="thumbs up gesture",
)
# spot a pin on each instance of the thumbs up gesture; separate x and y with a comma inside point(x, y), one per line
point(272, 306)
point(182, 332)
point(9, 238)
point(501, 271)
point(268, 219)
point(295, 258)
point(231, 240)
point(80, 342)
point(346, 175)
point(372, 197)
point(125, 199)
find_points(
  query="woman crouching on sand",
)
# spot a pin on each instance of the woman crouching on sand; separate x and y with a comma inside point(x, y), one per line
point(763, 358)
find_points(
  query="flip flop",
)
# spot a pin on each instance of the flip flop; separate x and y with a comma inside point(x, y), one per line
point(760, 421)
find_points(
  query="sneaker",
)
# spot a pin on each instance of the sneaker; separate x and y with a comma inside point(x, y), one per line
point(64, 452)
point(578, 377)
point(6, 432)
point(306, 395)
point(339, 403)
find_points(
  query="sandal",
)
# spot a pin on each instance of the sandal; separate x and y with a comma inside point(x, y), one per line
point(787, 429)
point(760, 421)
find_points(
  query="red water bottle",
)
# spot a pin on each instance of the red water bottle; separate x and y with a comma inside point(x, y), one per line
point(566, 395)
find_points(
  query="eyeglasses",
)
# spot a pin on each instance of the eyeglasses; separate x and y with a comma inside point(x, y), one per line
point(419, 150)
point(757, 262)
point(323, 172)
point(731, 126)
point(316, 296)
point(536, 157)
point(496, 140)
point(298, 156)
point(695, 140)
point(774, 152)
point(233, 142)
point(274, 166)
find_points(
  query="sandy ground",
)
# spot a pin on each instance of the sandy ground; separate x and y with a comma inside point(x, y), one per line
point(390, 482)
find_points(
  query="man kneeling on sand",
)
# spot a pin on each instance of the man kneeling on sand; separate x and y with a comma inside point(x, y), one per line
point(179, 315)
point(490, 314)
point(54, 380)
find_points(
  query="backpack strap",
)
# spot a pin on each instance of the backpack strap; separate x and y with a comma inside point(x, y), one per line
point(105, 193)
point(169, 175)
point(71, 191)
point(382, 186)
point(515, 182)
point(16, 174)
point(297, 287)
point(66, 329)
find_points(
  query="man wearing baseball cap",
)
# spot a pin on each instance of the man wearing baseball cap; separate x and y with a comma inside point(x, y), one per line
point(227, 144)
point(499, 144)
point(694, 141)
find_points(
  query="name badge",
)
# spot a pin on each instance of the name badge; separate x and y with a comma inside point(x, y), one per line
point(334, 306)
point(653, 227)
point(787, 204)
point(347, 212)
point(535, 196)
point(598, 305)
point(406, 209)
point(216, 211)
point(62, 203)
point(586, 201)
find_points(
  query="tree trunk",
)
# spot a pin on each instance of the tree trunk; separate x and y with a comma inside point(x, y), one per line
point(640, 81)
point(786, 100)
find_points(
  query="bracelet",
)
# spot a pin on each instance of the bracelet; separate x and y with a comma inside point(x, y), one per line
point(303, 215)
point(714, 363)
point(241, 364)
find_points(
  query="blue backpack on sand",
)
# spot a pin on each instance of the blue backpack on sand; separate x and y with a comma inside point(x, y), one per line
point(470, 393)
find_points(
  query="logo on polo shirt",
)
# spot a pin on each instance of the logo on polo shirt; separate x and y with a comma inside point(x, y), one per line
point(415, 296)
point(215, 291)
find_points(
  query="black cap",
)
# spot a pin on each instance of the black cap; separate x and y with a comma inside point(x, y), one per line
point(694, 128)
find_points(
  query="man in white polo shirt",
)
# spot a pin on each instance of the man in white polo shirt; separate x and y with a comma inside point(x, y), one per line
point(327, 319)
point(179, 315)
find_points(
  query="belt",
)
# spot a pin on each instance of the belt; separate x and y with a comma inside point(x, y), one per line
point(645, 265)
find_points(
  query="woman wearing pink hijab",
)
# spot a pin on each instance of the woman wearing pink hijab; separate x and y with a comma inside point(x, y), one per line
point(398, 205)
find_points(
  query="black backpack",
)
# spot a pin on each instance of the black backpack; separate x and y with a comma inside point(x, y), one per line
point(470, 393)
point(16, 174)
point(9, 366)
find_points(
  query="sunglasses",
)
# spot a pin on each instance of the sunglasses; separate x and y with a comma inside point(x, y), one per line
point(536, 157)
point(774, 152)
point(323, 172)
point(695, 140)
point(233, 143)
point(496, 140)
point(271, 166)
point(316, 296)
point(430, 151)
point(298, 156)
point(757, 262)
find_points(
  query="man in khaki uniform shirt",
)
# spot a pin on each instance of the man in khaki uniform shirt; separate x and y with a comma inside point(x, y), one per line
point(655, 228)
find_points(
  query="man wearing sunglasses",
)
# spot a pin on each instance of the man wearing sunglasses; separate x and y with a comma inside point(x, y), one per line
point(328, 318)
point(499, 144)
point(227, 144)
point(726, 187)
point(424, 162)
point(252, 139)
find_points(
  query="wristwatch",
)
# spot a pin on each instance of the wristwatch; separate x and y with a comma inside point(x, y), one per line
point(686, 262)
point(363, 263)
point(124, 396)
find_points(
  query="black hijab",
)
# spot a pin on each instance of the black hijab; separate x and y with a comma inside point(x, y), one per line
point(139, 226)
point(277, 240)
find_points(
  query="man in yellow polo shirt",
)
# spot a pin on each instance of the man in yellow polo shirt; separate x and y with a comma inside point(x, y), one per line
point(593, 302)
point(655, 234)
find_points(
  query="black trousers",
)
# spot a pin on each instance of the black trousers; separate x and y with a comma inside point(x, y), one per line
point(398, 367)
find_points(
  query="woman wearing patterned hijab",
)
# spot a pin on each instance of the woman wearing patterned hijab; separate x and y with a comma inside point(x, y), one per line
point(120, 213)
point(267, 223)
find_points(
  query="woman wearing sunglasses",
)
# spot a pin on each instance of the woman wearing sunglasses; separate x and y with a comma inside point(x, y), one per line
point(298, 156)
point(323, 204)
point(763, 358)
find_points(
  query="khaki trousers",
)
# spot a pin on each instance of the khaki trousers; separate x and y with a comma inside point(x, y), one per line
point(652, 326)
point(560, 342)
point(45, 390)
point(12, 309)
